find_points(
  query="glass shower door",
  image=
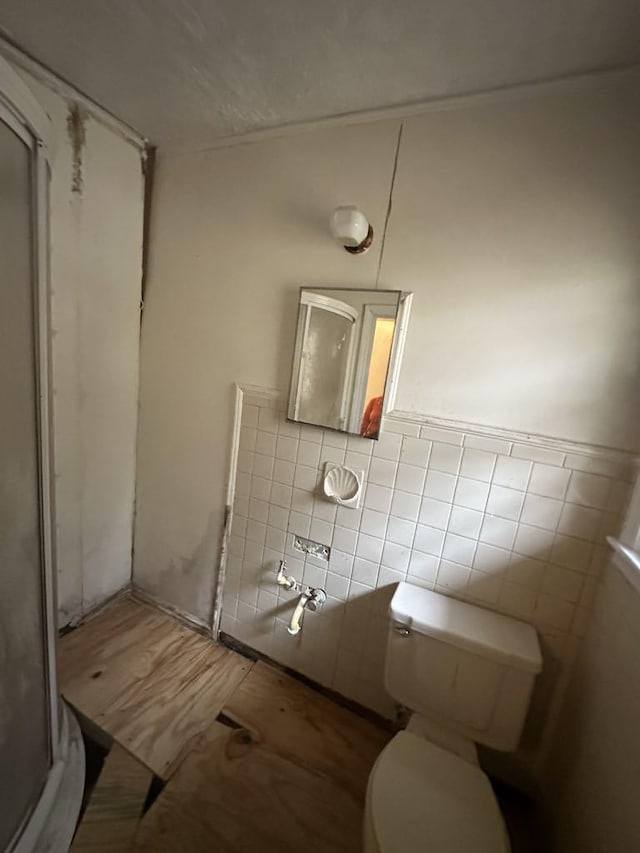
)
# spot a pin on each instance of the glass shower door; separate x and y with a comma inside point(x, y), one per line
point(25, 740)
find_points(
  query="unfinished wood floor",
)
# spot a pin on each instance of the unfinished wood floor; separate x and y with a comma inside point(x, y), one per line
point(292, 773)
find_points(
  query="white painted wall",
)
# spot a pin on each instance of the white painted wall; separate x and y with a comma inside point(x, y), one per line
point(96, 267)
point(513, 223)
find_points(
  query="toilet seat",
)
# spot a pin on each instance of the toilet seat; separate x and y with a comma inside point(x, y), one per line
point(423, 799)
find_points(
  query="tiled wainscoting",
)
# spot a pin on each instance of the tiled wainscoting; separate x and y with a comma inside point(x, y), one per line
point(514, 525)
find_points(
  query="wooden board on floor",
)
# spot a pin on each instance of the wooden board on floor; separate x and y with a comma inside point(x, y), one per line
point(111, 819)
point(235, 796)
point(306, 728)
point(153, 684)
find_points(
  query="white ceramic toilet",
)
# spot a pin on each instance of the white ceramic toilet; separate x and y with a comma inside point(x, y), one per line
point(467, 674)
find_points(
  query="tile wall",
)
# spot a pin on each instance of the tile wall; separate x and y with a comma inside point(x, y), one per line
point(506, 523)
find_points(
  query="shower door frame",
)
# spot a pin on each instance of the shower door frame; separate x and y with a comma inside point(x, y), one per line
point(25, 117)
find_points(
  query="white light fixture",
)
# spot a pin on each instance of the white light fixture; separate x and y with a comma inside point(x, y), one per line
point(351, 229)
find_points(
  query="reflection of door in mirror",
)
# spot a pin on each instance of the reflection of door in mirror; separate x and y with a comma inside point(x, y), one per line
point(326, 352)
point(371, 369)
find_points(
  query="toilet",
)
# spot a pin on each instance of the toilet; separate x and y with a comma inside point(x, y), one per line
point(466, 674)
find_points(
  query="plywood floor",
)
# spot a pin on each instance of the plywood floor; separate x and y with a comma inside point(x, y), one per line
point(290, 774)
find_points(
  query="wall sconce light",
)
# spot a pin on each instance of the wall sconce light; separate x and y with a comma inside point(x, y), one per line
point(351, 229)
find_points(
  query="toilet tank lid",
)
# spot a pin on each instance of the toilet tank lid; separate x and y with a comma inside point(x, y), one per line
point(467, 626)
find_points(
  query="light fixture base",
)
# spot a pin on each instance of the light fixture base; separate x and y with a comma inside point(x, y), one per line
point(361, 247)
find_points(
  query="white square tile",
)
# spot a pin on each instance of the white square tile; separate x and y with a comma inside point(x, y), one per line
point(247, 439)
point(285, 427)
point(439, 486)
point(258, 510)
point(458, 549)
point(249, 415)
point(410, 478)
point(512, 473)
point(281, 495)
point(387, 576)
point(429, 540)
point(549, 481)
point(445, 458)
point(378, 498)
point(360, 445)
point(405, 505)
point(498, 531)
point(239, 524)
point(314, 576)
point(359, 590)
point(533, 541)
point(308, 453)
point(263, 466)
point(452, 577)
point(275, 539)
point(357, 461)
point(302, 501)
point(243, 484)
point(245, 461)
point(236, 546)
point(619, 496)
point(299, 524)
point(321, 531)
point(505, 503)
point(332, 438)
point(337, 586)
point(518, 600)
point(563, 583)
point(484, 588)
point(349, 517)
point(260, 488)
point(266, 443)
point(382, 472)
point(369, 547)
point(537, 454)
point(580, 521)
point(286, 448)
point(373, 523)
point(400, 531)
point(395, 556)
point(256, 532)
point(283, 472)
point(331, 454)
point(267, 600)
point(305, 477)
point(423, 566)
point(324, 509)
point(588, 490)
point(571, 553)
point(435, 513)
point(541, 512)
point(241, 505)
point(365, 571)
point(526, 571)
point(278, 517)
point(267, 419)
point(415, 451)
point(554, 612)
point(477, 464)
point(312, 433)
point(465, 522)
point(490, 559)
point(341, 563)
point(471, 493)
point(388, 446)
point(345, 540)
point(401, 426)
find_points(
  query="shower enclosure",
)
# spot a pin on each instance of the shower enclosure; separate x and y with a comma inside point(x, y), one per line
point(41, 757)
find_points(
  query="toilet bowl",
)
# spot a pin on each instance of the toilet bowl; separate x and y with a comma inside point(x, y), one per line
point(467, 674)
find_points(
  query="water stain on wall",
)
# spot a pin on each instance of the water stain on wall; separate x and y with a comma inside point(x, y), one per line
point(76, 131)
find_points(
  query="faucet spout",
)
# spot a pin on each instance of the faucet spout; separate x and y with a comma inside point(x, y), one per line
point(295, 625)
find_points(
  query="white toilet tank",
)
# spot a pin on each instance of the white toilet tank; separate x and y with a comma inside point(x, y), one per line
point(471, 670)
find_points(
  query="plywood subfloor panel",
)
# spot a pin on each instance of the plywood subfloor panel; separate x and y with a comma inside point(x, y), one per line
point(307, 729)
point(151, 683)
point(237, 796)
point(110, 823)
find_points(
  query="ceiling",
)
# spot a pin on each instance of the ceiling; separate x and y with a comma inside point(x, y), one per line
point(187, 72)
